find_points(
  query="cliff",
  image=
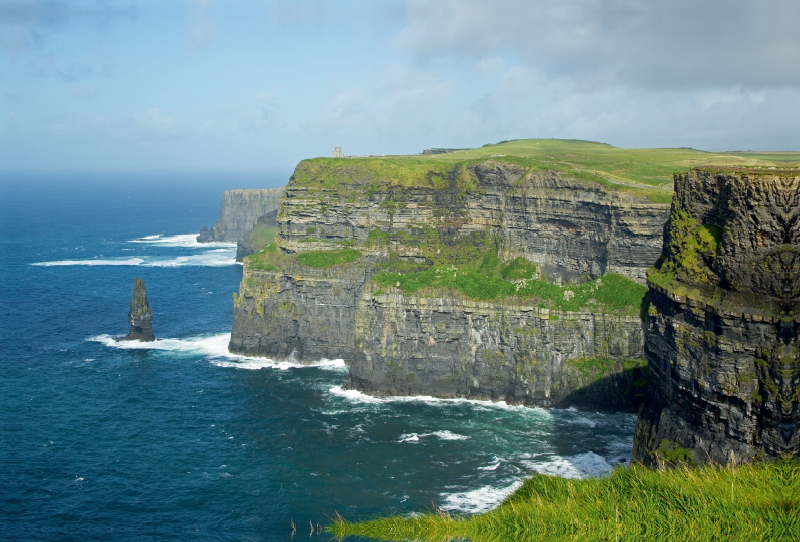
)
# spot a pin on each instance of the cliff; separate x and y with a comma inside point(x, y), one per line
point(475, 279)
point(240, 211)
point(140, 316)
point(721, 335)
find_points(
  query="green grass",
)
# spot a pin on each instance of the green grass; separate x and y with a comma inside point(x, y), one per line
point(328, 258)
point(647, 172)
point(612, 293)
point(751, 502)
point(261, 237)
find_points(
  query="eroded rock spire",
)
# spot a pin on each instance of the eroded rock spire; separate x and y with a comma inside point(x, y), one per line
point(140, 315)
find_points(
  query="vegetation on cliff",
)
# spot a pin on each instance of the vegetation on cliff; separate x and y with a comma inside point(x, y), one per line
point(489, 280)
point(752, 502)
point(647, 172)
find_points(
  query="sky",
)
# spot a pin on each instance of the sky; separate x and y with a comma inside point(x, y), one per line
point(259, 85)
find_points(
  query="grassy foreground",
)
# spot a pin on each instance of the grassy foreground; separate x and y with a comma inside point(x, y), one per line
point(751, 502)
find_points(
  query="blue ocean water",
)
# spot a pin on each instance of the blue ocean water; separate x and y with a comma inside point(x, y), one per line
point(180, 440)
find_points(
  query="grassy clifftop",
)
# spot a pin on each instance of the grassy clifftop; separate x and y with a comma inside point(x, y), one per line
point(646, 171)
point(753, 502)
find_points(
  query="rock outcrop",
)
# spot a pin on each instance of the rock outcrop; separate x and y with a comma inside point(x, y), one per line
point(140, 316)
point(721, 336)
point(441, 342)
point(240, 211)
point(205, 235)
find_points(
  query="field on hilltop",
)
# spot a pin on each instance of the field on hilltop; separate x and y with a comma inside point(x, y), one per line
point(645, 171)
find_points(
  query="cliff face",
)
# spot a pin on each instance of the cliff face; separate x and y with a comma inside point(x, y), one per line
point(515, 344)
point(572, 229)
point(457, 347)
point(140, 316)
point(721, 338)
point(241, 209)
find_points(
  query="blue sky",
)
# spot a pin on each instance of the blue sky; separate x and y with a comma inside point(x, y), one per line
point(249, 86)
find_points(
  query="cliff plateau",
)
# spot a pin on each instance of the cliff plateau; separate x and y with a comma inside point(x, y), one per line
point(721, 333)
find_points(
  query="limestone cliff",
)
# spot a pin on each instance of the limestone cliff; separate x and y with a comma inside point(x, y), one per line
point(721, 336)
point(494, 328)
point(573, 229)
point(240, 211)
point(140, 316)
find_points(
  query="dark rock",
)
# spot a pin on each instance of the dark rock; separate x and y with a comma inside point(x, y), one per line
point(140, 315)
point(206, 236)
point(721, 337)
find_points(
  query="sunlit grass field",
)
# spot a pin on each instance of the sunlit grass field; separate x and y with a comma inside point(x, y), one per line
point(750, 502)
point(645, 171)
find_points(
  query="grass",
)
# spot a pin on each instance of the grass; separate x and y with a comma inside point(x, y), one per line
point(612, 293)
point(261, 237)
point(647, 172)
point(751, 502)
point(328, 258)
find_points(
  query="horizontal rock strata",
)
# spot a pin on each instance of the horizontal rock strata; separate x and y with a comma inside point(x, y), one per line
point(721, 338)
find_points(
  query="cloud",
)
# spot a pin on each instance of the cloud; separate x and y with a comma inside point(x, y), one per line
point(643, 43)
point(27, 23)
point(201, 27)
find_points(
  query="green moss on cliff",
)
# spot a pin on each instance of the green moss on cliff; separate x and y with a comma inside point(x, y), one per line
point(261, 237)
point(328, 258)
point(613, 293)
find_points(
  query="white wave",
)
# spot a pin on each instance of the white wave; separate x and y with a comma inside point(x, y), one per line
point(584, 465)
point(215, 347)
point(443, 435)
point(182, 241)
point(211, 258)
point(493, 466)
point(359, 397)
point(354, 395)
point(115, 261)
point(478, 500)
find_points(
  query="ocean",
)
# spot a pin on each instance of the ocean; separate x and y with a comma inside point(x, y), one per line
point(180, 440)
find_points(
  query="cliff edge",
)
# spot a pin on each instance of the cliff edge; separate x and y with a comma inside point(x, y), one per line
point(721, 332)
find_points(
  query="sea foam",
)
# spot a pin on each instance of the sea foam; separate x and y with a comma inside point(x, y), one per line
point(478, 500)
point(215, 347)
point(182, 241)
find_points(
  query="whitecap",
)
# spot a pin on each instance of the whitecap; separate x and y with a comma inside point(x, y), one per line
point(409, 437)
point(446, 435)
point(493, 466)
point(584, 465)
point(182, 241)
point(359, 397)
point(211, 258)
point(112, 261)
point(478, 500)
point(216, 347)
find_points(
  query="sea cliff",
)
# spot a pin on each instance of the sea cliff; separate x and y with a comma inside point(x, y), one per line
point(484, 279)
point(240, 211)
point(721, 332)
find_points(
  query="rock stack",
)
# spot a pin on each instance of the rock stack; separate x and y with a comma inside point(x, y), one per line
point(206, 236)
point(140, 315)
point(721, 331)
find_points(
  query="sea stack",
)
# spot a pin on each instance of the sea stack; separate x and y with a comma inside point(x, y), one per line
point(140, 315)
point(206, 236)
point(722, 321)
